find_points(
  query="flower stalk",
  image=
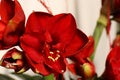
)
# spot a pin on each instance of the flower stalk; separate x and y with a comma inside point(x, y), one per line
point(101, 25)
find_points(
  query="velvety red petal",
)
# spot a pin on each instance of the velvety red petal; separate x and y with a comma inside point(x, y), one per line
point(33, 54)
point(15, 27)
point(112, 67)
point(85, 51)
point(37, 22)
point(19, 16)
point(7, 10)
point(2, 29)
point(31, 40)
point(38, 67)
point(114, 54)
point(78, 41)
point(62, 27)
point(72, 68)
point(56, 65)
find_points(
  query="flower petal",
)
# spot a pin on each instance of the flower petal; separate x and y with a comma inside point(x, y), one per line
point(62, 27)
point(15, 26)
point(29, 39)
point(55, 25)
point(29, 51)
point(38, 67)
point(37, 22)
point(6, 10)
point(85, 51)
point(56, 65)
point(112, 65)
point(78, 41)
point(2, 29)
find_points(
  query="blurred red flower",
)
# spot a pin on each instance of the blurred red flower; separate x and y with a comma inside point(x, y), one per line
point(82, 65)
point(110, 8)
point(112, 70)
point(49, 39)
point(11, 23)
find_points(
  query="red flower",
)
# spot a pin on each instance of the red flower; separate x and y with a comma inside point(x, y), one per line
point(11, 23)
point(112, 70)
point(85, 52)
point(116, 10)
point(14, 59)
point(111, 7)
point(86, 70)
point(49, 39)
point(82, 65)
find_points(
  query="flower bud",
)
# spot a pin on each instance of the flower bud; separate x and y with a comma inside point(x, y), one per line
point(88, 70)
point(14, 59)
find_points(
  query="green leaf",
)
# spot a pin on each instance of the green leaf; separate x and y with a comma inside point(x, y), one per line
point(49, 77)
point(37, 78)
point(5, 77)
point(28, 77)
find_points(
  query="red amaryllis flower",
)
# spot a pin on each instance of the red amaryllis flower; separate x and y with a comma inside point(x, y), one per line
point(85, 52)
point(115, 10)
point(11, 23)
point(49, 39)
point(112, 70)
point(82, 65)
point(111, 8)
point(14, 59)
point(86, 70)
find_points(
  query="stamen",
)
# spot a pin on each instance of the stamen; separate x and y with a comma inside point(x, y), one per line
point(57, 57)
point(62, 71)
point(50, 57)
point(8, 65)
point(14, 64)
point(51, 52)
point(54, 59)
point(57, 51)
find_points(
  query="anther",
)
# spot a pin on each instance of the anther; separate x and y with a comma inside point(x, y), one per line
point(51, 52)
point(57, 51)
point(50, 57)
point(62, 71)
point(57, 57)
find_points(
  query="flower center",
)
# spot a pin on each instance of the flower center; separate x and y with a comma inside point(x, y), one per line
point(54, 56)
point(51, 53)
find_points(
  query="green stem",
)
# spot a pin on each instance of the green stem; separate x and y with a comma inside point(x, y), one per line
point(101, 24)
point(96, 35)
point(49, 77)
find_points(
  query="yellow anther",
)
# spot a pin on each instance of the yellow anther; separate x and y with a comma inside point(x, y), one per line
point(51, 52)
point(62, 71)
point(57, 51)
point(54, 59)
point(50, 57)
point(57, 57)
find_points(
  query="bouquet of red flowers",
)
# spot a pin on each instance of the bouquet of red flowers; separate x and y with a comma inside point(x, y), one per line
point(50, 44)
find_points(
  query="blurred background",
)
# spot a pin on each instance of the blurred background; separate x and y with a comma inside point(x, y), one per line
point(86, 13)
